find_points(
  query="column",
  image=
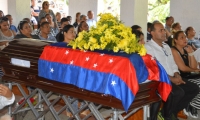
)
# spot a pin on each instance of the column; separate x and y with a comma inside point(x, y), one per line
point(134, 12)
point(19, 9)
point(82, 6)
point(4, 6)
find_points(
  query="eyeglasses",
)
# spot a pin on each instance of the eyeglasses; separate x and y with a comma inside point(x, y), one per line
point(47, 4)
point(164, 50)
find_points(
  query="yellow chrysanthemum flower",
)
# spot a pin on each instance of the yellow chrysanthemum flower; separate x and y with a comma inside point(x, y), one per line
point(109, 34)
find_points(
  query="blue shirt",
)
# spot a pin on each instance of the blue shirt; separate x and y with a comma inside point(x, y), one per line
point(12, 27)
point(194, 42)
point(50, 38)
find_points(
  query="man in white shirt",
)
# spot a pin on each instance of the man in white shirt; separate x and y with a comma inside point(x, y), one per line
point(91, 21)
point(183, 91)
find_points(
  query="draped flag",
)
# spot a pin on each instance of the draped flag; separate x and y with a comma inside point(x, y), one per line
point(116, 74)
point(157, 72)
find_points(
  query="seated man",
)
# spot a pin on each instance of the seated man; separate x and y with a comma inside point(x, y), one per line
point(12, 27)
point(183, 91)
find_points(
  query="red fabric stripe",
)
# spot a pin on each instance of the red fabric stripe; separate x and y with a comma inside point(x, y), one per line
point(117, 65)
point(164, 90)
point(152, 67)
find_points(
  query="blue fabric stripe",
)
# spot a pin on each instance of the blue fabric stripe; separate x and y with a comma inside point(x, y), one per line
point(163, 74)
point(87, 79)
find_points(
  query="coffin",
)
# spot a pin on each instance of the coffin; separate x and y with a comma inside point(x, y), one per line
point(27, 52)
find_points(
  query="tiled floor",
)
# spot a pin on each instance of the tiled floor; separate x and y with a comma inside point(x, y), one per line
point(29, 115)
point(189, 118)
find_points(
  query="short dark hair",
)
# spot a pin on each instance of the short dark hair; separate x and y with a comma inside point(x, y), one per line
point(60, 35)
point(47, 14)
point(26, 19)
point(44, 23)
point(21, 24)
point(68, 17)
point(137, 34)
point(63, 20)
point(2, 12)
point(175, 25)
point(152, 28)
point(3, 19)
point(167, 18)
point(79, 26)
point(81, 17)
point(8, 15)
point(187, 30)
point(135, 27)
point(149, 25)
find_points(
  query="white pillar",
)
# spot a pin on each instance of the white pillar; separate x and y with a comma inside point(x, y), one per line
point(186, 13)
point(82, 6)
point(19, 9)
point(134, 12)
point(4, 6)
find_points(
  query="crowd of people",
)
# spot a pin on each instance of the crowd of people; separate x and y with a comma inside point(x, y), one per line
point(175, 49)
point(178, 53)
point(44, 25)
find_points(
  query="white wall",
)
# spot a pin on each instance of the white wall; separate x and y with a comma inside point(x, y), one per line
point(82, 6)
point(4, 6)
point(186, 12)
point(134, 12)
point(19, 9)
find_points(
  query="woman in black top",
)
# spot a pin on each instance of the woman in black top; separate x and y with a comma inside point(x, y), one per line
point(25, 31)
point(184, 57)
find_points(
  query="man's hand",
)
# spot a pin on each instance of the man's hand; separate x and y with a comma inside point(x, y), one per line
point(5, 91)
point(177, 80)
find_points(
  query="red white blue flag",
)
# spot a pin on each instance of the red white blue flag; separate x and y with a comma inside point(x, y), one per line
point(116, 74)
point(157, 73)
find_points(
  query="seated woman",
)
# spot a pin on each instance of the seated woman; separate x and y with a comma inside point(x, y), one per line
point(190, 33)
point(175, 27)
point(184, 57)
point(64, 22)
point(54, 27)
point(43, 19)
point(139, 35)
point(25, 31)
point(5, 32)
point(1, 14)
point(68, 33)
point(58, 18)
point(32, 26)
point(82, 26)
point(45, 32)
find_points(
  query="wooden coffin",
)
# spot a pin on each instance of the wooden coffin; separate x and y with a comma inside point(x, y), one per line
point(30, 50)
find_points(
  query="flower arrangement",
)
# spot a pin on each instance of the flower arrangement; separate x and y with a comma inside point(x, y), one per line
point(109, 34)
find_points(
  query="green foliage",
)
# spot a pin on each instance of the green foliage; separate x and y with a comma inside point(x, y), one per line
point(158, 10)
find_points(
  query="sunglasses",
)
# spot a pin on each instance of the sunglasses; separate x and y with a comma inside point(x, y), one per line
point(164, 50)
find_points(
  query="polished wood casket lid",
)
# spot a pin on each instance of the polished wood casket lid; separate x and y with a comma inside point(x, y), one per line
point(30, 50)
